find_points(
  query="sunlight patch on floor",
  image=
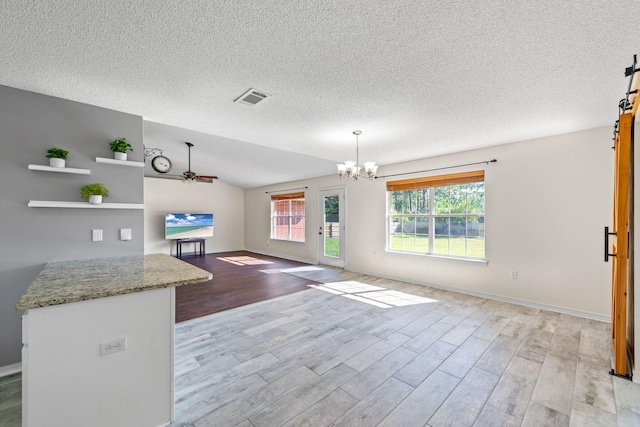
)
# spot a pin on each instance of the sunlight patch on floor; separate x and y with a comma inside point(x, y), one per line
point(368, 301)
point(301, 269)
point(244, 260)
point(370, 294)
point(351, 287)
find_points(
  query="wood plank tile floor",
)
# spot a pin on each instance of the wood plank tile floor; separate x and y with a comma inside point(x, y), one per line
point(358, 350)
point(11, 400)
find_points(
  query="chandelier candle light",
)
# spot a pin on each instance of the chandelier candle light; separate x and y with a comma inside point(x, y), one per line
point(352, 169)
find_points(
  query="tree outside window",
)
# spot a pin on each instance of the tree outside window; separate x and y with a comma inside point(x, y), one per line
point(426, 216)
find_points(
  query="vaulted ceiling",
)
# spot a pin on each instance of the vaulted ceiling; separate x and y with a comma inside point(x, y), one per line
point(419, 78)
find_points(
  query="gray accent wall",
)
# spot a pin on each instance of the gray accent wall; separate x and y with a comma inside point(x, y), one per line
point(30, 124)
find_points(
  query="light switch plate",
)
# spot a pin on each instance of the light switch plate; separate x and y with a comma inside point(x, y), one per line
point(125, 234)
point(96, 235)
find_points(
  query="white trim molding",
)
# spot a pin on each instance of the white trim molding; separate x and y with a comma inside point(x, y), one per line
point(533, 304)
point(563, 310)
point(290, 258)
point(5, 371)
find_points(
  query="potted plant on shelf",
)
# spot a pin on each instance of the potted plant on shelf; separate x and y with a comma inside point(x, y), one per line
point(94, 193)
point(57, 157)
point(120, 146)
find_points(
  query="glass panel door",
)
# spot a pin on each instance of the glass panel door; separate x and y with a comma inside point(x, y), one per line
point(331, 227)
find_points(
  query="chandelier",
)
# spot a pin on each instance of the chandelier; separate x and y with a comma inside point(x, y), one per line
point(352, 169)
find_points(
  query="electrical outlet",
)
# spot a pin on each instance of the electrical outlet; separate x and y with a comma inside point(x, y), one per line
point(514, 274)
point(125, 234)
point(96, 235)
point(113, 346)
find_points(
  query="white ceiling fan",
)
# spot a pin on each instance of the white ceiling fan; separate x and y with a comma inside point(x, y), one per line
point(162, 164)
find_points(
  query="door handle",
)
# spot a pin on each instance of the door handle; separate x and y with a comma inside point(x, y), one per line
point(607, 233)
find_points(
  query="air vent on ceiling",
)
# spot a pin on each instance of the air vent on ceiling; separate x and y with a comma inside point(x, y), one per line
point(252, 97)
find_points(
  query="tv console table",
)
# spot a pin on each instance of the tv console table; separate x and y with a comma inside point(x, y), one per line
point(180, 242)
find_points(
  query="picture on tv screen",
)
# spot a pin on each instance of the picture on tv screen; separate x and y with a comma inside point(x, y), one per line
point(187, 226)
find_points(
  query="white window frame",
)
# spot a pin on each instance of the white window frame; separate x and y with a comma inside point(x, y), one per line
point(289, 221)
point(431, 217)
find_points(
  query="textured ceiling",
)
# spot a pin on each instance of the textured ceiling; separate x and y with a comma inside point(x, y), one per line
point(419, 78)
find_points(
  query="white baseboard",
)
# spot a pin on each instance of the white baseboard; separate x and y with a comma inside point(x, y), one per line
point(563, 310)
point(10, 369)
point(533, 304)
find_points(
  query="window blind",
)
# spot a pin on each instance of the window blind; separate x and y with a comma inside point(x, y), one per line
point(288, 196)
point(436, 181)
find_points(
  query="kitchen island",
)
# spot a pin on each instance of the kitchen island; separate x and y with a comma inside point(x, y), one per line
point(98, 341)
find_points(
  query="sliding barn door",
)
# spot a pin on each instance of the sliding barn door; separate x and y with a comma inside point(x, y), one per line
point(620, 240)
point(621, 236)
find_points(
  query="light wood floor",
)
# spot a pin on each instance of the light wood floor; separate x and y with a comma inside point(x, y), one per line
point(11, 400)
point(327, 356)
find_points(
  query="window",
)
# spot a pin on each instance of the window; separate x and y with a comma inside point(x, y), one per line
point(442, 215)
point(287, 216)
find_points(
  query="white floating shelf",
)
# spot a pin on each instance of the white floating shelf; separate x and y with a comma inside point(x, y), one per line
point(63, 170)
point(82, 205)
point(120, 162)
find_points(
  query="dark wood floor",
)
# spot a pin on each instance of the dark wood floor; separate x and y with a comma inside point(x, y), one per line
point(239, 278)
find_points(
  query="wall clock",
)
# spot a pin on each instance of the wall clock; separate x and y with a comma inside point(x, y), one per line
point(161, 164)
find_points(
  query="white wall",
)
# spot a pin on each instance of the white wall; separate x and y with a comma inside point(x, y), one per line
point(547, 201)
point(225, 201)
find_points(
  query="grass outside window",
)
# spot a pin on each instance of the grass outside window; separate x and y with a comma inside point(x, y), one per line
point(443, 245)
point(439, 215)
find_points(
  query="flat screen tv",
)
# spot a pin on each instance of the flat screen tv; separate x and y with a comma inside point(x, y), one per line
point(187, 226)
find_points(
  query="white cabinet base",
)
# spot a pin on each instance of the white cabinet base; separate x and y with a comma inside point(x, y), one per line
point(67, 383)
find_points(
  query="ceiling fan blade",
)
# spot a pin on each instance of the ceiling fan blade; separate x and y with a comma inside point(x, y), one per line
point(188, 174)
point(207, 180)
point(166, 176)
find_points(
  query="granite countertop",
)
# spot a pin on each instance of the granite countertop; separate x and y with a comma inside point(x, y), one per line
point(72, 281)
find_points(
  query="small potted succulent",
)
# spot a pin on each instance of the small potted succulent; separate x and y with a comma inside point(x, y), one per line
point(120, 146)
point(57, 157)
point(93, 193)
